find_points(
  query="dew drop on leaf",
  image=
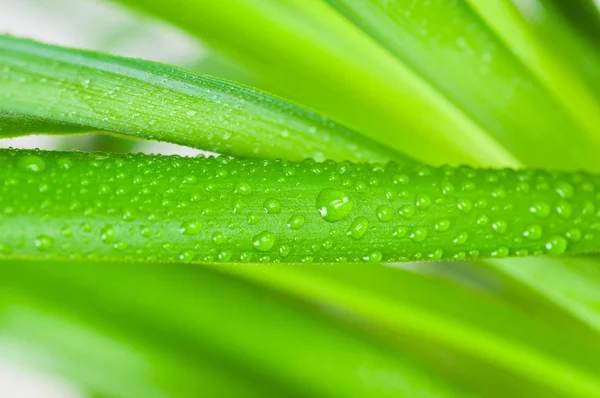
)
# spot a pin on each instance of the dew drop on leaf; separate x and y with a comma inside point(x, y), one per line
point(556, 245)
point(358, 228)
point(334, 205)
point(296, 222)
point(44, 242)
point(190, 227)
point(31, 163)
point(533, 232)
point(264, 241)
point(384, 213)
point(108, 234)
point(272, 206)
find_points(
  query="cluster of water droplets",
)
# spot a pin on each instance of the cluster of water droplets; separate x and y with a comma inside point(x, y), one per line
point(144, 207)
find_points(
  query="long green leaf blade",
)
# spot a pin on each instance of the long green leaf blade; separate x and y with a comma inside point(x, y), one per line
point(154, 101)
point(170, 208)
point(312, 55)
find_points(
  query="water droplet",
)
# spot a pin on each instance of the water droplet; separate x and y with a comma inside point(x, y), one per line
point(264, 241)
point(241, 188)
point(540, 209)
point(483, 220)
point(533, 232)
point(423, 201)
point(442, 225)
point(461, 238)
point(406, 211)
point(556, 245)
point(108, 234)
point(501, 252)
point(400, 231)
point(564, 189)
point(334, 205)
point(436, 255)
point(186, 256)
point(358, 228)
point(564, 208)
point(145, 231)
point(254, 218)
point(218, 238)
point(120, 245)
point(500, 226)
point(401, 179)
point(384, 213)
point(374, 257)
point(190, 227)
point(419, 234)
point(31, 163)
point(191, 113)
point(284, 251)
point(66, 231)
point(574, 234)
point(296, 222)
point(272, 206)
point(44, 242)
point(465, 205)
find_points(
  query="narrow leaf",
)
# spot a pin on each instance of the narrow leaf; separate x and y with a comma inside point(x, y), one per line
point(154, 101)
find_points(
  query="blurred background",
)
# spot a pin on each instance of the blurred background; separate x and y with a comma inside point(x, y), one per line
point(148, 354)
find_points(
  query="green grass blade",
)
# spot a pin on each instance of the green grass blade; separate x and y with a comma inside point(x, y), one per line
point(170, 208)
point(154, 101)
point(514, 107)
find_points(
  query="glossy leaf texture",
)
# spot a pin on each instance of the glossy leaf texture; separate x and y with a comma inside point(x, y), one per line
point(160, 102)
point(137, 207)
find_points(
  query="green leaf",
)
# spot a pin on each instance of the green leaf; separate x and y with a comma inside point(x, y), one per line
point(181, 331)
point(514, 107)
point(110, 207)
point(312, 55)
point(154, 101)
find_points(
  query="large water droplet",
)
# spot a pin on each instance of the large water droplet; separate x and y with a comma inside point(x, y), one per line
point(500, 226)
point(264, 241)
point(556, 245)
point(190, 227)
point(442, 225)
point(533, 232)
point(423, 201)
point(272, 206)
point(384, 213)
point(419, 234)
point(540, 209)
point(334, 205)
point(31, 163)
